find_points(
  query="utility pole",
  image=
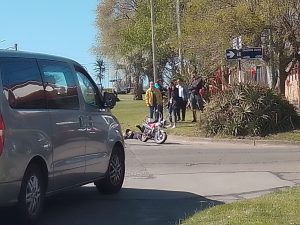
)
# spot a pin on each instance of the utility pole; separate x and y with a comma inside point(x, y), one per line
point(153, 41)
point(271, 61)
point(179, 35)
point(272, 76)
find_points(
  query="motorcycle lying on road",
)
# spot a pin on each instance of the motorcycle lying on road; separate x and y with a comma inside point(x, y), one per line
point(153, 130)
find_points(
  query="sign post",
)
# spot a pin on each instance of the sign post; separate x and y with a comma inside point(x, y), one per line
point(240, 66)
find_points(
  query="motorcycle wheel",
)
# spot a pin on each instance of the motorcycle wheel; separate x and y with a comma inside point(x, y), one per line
point(160, 137)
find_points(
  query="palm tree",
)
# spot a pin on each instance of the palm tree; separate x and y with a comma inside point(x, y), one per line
point(100, 69)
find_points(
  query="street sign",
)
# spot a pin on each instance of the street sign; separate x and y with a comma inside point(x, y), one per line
point(244, 53)
point(251, 53)
point(231, 54)
point(237, 42)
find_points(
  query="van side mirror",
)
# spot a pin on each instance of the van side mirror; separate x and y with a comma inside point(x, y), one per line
point(109, 99)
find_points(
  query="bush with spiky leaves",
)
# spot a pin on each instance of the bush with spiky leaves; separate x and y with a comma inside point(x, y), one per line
point(248, 110)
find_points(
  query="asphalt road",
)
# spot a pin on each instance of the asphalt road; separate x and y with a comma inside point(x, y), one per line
point(167, 183)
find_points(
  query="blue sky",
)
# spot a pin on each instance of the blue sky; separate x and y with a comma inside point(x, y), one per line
point(58, 27)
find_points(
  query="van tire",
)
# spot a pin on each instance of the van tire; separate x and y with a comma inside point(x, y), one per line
point(32, 195)
point(114, 177)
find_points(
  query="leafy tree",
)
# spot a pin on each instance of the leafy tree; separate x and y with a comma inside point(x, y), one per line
point(125, 33)
point(207, 30)
point(283, 24)
point(209, 27)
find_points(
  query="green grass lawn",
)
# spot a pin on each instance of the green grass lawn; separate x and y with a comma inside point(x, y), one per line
point(131, 113)
point(278, 208)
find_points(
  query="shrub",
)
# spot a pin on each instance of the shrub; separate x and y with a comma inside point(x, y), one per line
point(247, 109)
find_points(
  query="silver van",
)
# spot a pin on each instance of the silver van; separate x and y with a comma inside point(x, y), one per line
point(56, 132)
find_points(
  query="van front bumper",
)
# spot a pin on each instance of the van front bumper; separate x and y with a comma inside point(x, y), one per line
point(9, 193)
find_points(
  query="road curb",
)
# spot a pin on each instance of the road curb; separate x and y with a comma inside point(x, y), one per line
point(244, 141)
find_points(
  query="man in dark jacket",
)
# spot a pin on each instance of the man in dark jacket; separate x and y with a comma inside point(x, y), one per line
point(182, 100)
point(163, 91)
point(196, 100)
point(173, 103)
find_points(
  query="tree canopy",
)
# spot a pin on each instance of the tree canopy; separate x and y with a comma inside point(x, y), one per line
point(208, 28)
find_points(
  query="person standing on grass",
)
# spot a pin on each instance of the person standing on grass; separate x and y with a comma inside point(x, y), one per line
point(196, 100)
point(163, 92)
point(173, 104)
point(182, 100)
point(153, 100)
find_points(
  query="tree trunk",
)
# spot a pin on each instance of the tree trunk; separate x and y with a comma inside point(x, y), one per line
point(137, 92)
point(282, 77)
point(283, 62)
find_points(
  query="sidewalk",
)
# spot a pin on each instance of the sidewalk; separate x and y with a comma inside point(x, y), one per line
point(254, 141)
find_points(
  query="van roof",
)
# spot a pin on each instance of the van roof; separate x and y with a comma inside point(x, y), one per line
point(22, 54)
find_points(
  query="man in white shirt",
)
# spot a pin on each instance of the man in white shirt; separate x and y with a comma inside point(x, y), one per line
point(183, 99)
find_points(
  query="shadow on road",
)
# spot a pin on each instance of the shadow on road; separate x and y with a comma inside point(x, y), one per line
point(151, 143)
point(172, 143)
point(84, 206)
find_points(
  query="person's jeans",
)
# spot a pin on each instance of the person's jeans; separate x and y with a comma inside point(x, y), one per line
point(173, 112)
point(153, 112)
point(160, 112)
point(182, 107)
point(196, 102)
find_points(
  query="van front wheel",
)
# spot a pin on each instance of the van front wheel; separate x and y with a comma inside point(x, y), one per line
point(114, 177)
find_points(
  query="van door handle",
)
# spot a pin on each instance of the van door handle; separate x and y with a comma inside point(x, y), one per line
point(91, 124)
point(81, 122)
point(90, 127)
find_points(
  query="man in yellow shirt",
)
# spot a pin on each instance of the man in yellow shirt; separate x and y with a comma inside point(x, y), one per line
point(153, 99)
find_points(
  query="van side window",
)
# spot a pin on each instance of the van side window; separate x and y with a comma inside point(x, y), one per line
point(60, 87)
point(87, 89)
point(22, 83)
